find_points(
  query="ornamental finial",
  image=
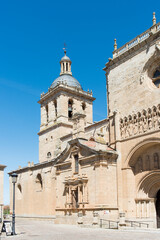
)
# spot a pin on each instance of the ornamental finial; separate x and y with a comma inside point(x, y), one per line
point(65, 49)
point(115, 44)
point(154, 18)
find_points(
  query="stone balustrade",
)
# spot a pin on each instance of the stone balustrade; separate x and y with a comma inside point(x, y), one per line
point(140, 38)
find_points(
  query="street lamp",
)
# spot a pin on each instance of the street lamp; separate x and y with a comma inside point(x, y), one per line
point(14, 180)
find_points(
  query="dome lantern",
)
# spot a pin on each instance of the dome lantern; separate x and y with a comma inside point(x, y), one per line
point(66, 74)
point(65, 64)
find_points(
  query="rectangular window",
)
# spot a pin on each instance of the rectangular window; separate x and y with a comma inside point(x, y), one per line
point(76, 163)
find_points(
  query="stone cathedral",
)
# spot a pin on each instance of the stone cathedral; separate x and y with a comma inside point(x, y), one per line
point(110, 169)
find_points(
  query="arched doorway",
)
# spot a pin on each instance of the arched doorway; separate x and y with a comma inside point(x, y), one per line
point(158, 209)
point(144, 176)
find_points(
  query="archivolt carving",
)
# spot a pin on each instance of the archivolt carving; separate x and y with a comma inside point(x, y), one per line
point(147, 163)
point(158, 45)
point(144, 121)
point(149, 186)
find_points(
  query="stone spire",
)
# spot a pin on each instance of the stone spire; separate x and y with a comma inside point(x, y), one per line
point(115, 44)
point(154, 18)
point(65, 64)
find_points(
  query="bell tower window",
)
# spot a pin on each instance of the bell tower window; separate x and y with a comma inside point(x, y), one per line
point(55, 107)
point(70, 108)
point(83, 106)
point(47, 112)
point(49, 155)
point(156, 78)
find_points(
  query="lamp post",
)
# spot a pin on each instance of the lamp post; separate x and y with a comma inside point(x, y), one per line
point(14, 180)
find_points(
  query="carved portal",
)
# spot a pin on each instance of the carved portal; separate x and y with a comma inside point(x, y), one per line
point(76, 191)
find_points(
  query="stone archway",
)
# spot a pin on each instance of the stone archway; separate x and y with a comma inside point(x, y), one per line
point(143, 173)
point(148, 197)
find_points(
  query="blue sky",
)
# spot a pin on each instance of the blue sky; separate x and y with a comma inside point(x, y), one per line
point(32, 38)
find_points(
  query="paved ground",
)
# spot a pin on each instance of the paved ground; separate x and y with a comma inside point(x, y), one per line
point(45, 230)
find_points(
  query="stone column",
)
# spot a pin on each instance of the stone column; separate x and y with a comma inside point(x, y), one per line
point(67, 196)
point(83, 195)
point(65, 67)
point(43, 116)
point(62, 70)
point(69, 67)
point(79, 194)
point(153, 214)
point(51, 112)
point(89, 111)
point(122, 222)
point(70, 195)
point(62, 108)
point(147, 209)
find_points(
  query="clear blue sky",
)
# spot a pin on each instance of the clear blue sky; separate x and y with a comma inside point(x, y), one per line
point(31, 42)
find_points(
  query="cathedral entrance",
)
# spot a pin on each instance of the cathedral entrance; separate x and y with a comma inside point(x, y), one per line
point(158, 209)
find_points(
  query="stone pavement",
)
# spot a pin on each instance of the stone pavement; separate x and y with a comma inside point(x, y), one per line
point(47, 230)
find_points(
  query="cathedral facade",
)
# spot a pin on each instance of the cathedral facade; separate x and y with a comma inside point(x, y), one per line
point(105, 170)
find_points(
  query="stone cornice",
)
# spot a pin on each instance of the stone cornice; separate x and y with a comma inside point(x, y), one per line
point(2, 167)
point(66, 136)
point(34, 167)
point(54, 126)
point(63, 88)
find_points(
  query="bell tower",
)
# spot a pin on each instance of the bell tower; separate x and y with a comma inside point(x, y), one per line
point(64, 102)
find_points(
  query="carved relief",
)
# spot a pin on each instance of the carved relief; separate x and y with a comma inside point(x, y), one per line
point(141, 122)
point(147, 163)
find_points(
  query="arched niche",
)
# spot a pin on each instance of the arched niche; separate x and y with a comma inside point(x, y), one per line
point(19, 191)
point(39, 182)
point(146, 147)
point(149, 185)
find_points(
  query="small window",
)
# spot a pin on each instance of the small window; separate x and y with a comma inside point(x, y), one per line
point(156, 78)
point(70, 108)
point(67, 67)
point(19, 188)
point(92, 139)
point(39, 182)
point(83, 106)
point(55, 107)
point(19, 192)
point(49, 154)
point(76, 163)
point(47, 112)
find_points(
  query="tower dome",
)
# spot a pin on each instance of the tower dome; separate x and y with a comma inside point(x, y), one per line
point(66, 74)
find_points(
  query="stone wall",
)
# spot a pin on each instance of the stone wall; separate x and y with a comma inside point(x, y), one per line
point(130, 84)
